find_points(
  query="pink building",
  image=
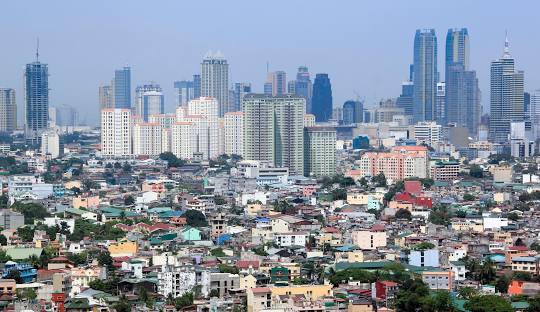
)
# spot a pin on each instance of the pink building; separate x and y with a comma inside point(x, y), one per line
point(400, 163)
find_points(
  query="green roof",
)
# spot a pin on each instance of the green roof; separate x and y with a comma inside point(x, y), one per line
point(76, 211)
point(78, 303)
point(20, 253)
point(115, 212)
point(520, 305)
point(375, 265)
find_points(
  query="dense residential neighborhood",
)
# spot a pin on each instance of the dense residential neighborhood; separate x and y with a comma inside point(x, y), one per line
point(86, 233)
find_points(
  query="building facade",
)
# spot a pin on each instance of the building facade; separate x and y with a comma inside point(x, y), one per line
point(320, 151)
point(215, 80)
point(322, 98)
point(122, 88)
point(8, 110)
point(36, 88)
point(234, 133)
point(425, 75)
point(149, 100)
point(116, 132)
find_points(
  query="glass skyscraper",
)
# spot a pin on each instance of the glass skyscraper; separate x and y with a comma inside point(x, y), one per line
point(215, 79)
point(425, 75)
point(240, 89)
point(122, 88)
point(36, 88)
point(303, 86)
point(353, 112)
point(184, 92)
point(506, 101)
point(322, 98)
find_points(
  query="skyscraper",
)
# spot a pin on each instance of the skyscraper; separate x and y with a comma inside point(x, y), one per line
point(122, 88)
point(353, 112)
point(463, 98)
point(457, 49)
point(440, 103)
point(405, 99)
point(184, 91)
point(66, 115)
point(322, 98)
point(506, 103)
point(196, 86)
point(320, 151)
point(116, 132)
point(36, 87)
point(149, 100)
point(303, 86)
point(240, 89)
point(534, 113)
point(279, 82)
point(8, 110)
point(215, 79)
point(106, 96)
point(274, 130)
point(425, 75)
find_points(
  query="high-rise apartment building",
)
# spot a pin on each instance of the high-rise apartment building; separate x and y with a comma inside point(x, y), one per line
point(322, 98)
point(353, 112)
point(274, 130)
point(240, 89)
point(234, 133)
point(425, 75)
point(320, 151)
point(427, 132)
point(50, 144)
point(116, 132)
point(195, 132)
point(215, 80)
point(400, 163)
point(36, 88)
point(8, 110)
point(506, 102)
point(184, 91)
point(149, 100)
point(122, 88)
point(147, 139)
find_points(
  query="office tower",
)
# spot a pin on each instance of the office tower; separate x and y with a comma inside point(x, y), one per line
point(240, 89)
point(291, 87)
point(52, 116)
point(425, 75)
point(463, 99)
point(278, 79)
point(526, 102)
point(36, 88)
point(196, 86)
point(233, 128)
point(195, 132)
point(320, 151)
point(303, 86)
point(353, 112)
point(405, 99)
point(215, 79)
point(273, 130)
point(534, 113)
point(50, 143)
point(67, 116)
point(122, 88)
point(522, 141)
point(147, 139)
point(184, 91)
point(116, 132)
point(440, 103)
point(506, 102)
point(322, 98)
point(267, 88)
point(8, 110)
point(457, 49)
point(149, 100)
point(106, 96)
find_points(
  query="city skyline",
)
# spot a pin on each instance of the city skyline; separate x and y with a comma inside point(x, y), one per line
point(390, 47)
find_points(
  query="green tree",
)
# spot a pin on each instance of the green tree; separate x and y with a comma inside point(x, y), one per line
point(339, 194)
point(26, 233)
point(122, 305)
point(223, 268)
point(488, 303)
point(423, 246)
point(3, 240)
point(403, 214)
point(476, 171)
point(467, 292)
point(501, 285)
point(439, 301)
point(411, 295)
point(195, 218)
point(217, 252)
point(172, 160)
point(468, 197)
point(352, 274)
point(104, 259)
point(31, 211)
point(16, 275)
point(129, 200)
point(379, 180)
point(183, 301)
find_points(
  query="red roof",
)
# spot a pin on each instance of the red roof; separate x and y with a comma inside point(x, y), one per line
point(379, 227)
point(245, 264)
point(518, 248)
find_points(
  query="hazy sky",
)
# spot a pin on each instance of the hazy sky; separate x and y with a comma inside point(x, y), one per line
point(365, 46)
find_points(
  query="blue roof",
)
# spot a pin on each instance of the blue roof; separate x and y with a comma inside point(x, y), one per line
point(524, 259)
point(346, 248)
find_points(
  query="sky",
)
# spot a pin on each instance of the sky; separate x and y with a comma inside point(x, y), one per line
point(365, 46)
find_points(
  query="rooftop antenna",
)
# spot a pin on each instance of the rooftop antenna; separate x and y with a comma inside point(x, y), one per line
point(506, 53)
point(267, 66)
point(37, 50)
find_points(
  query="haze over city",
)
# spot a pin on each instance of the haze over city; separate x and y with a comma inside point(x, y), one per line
point(365, 47)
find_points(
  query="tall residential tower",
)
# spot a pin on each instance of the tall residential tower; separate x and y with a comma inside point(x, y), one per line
point(425, 75)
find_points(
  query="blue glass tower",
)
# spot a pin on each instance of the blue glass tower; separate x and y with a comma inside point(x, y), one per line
point(353, 112)
point(425, 75)
point(322, 98)
point(122, 88)
point(303, 86)
point(36, 87)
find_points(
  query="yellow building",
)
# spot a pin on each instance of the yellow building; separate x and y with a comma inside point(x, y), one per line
point(248, 282)
point(350, 256)
point(124, 248)
point(462, 226)
point(86, 202)
point(260, 298)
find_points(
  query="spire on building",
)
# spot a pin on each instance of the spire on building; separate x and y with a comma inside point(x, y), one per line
point(506, 53)
point(37, 50)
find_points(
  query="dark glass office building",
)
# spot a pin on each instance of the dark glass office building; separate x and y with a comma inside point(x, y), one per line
point(353, 112)
point(425, 75)
point(36, 88)
point(322, 98)
point(122, 88)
